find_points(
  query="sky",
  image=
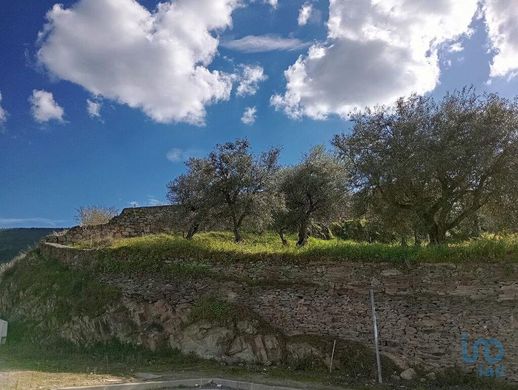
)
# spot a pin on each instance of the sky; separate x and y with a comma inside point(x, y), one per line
point(102, 101)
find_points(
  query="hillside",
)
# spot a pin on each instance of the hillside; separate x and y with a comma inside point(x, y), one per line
point(258, 306)
point(12, 241)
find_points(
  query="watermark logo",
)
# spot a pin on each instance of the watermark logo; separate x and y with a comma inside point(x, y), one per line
point(493, 353)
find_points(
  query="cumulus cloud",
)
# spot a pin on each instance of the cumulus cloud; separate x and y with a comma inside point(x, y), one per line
point(249, 116)
point(263, 43)
point(249, 79)
point(376, 51)
point(3, 113)
point(154, 61)
point(501, 18)
point(93, 107)
point(44, 108)
point(273, 3)
point(304, 14)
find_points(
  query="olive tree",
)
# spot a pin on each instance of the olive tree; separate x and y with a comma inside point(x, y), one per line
point(229, 185)
point(189, 192)
point(440, 161)
point(313, 190)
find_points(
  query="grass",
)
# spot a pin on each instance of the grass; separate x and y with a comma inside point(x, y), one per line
point(220, 246)
point(56, 362)
point(64, 293)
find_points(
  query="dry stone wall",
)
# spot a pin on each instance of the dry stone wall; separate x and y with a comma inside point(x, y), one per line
point(131, 222)
point(430, 315)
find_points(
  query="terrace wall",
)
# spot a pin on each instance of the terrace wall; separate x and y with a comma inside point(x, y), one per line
point(430, 315)
point(131, 222)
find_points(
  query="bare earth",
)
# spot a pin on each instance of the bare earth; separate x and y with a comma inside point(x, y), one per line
point(21, 380)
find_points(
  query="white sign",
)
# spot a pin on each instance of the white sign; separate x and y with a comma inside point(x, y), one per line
point(3, 331)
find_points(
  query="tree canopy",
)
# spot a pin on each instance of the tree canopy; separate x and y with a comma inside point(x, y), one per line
point(439, 162)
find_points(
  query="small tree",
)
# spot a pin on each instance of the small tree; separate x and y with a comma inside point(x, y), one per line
point(229, 185)
point(190, 191)
point(243, 185)
point(314, 191)
point(94, 215)
point(439, 161)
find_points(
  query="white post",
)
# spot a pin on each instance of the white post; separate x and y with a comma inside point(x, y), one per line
point(375, 326)
point(332, 357)
point(3, 331)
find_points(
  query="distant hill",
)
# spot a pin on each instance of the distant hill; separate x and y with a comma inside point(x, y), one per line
point(12, 241)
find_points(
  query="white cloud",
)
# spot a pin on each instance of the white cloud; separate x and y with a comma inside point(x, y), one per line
point(153, 201)
point(155, 61)
point(502, 25)
point(30, 222)
point(93, 107)
point(249, 79)
point(304, 14)
point(273, 3)
point(249, 116)
point(455, 47)
point(44, 108)
point(376, 51)
point(3, 113)
point(175, 155)
point(263, 43)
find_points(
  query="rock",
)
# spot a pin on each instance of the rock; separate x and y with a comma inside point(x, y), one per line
point(431, 376)
point(241, 351)
point(203, 340)
point(409, 374)
point(391, 272)
point(246, 327)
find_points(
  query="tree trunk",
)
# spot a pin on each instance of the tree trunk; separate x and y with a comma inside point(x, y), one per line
point(437, 234)
point(193, 229)
point(283, 239)
point(417, 239)
point(237, 234)
point(303, 233)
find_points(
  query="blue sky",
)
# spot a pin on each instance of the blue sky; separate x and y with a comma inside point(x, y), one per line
point(170, 82)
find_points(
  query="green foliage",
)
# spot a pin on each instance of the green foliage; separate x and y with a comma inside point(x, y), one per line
point(314, 192)
point(26, 350)
point(429, 165)
point(151, 253)
point(230, 185)
point(12, 241)
point(66, 292)
point(214, 310)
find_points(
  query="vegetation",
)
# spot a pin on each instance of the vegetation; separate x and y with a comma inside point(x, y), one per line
point(426, 169)
point(151, 253)
point(433, 165)
point(94, 215)
point(66, 292)
point(230, 185)
point(12, 241)
point(313, 191)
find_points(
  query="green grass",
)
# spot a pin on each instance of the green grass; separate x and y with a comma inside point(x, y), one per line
point(64, 292)
point(220, 246)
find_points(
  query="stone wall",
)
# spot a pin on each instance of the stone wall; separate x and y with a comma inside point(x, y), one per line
point(430, 315)
point(131, 222)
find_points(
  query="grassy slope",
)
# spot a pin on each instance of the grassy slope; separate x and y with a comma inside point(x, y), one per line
point(12, 241)
point(220, 246)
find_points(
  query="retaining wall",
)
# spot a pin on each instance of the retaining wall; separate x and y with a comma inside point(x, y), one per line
point(430, 315)
point(131, 222)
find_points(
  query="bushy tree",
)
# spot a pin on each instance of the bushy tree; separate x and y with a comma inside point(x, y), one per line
point(314, 191)
point(439, 162)
point(190, 191)
point(231, 185)
point(94, 215)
